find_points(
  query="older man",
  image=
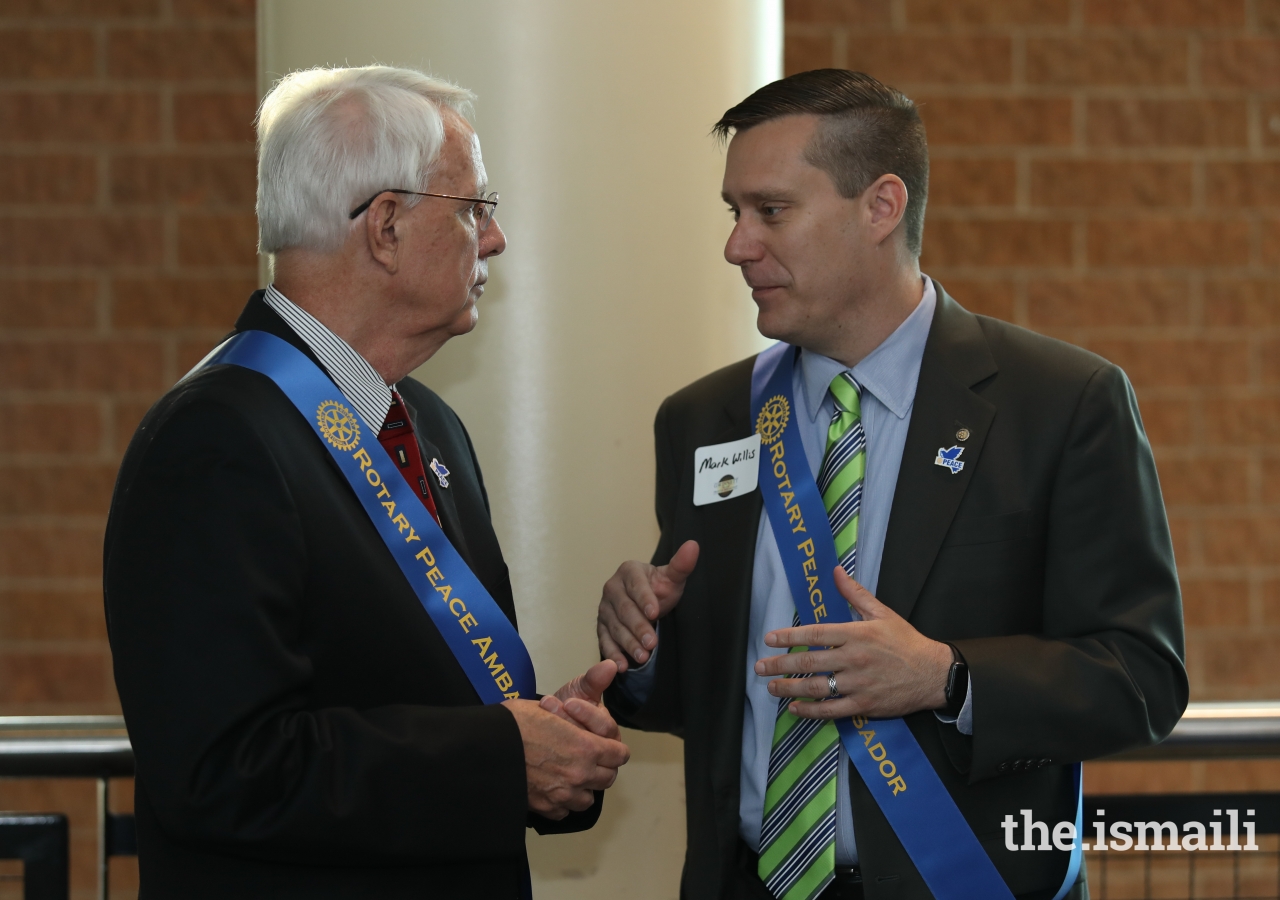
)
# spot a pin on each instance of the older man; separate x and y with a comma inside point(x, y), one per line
point(311, 619)
point(990, 489)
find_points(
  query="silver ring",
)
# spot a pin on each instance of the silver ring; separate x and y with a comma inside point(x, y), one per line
point(833, 691)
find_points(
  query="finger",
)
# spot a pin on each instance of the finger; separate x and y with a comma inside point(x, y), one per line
point(596, 680)
point(836, 708)
point(802, 663)
point(602, 779)
point(581, 800)
point(635, 585)
point(611, 753)
point(860, 598)
point(815, 688)
point(551, 704)
point(622, 635)
point(609, 649)
point(639, 609)
point(595, 719)
point(681, 566)
point(809, 636)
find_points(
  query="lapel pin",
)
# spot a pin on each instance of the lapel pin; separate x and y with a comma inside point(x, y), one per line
point(962, 434)
point(441, 473)
point(950, 459)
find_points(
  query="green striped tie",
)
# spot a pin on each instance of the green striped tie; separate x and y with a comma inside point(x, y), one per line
point(798, 835)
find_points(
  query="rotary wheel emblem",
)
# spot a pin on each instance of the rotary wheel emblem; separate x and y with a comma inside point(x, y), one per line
point(338, 425)
point(773, 419)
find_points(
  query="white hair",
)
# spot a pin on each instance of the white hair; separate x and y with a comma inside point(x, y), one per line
point(328, 139)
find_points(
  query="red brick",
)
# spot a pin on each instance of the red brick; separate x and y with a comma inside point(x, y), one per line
point(48, 303)
point(182, 53)
point(1271, 242)
point(1171, 362)
point(52, 615)
point(1270, 352)
point(1243, 540)
point(913, 59)
point(1242, 302)
point(997, 243)
point(211, 118)
point(1242, 775)
point(1243, 661)
point(126, 118)
point(1242, 184)
point(1241, 62)
point(48, 179)
point(41, 551)
point(1177, 13)
point(27, 428)
point(192, 351)
point(972, 182)
point(1167, 422)
point(1268, 13)
point(994, 120)
point(1204, 480)
point(53, 677)
point(1169, 123)
point(1232, 421)
point(81, 8)
point(80, 241)
point(1135, 778)
point(229, 240)
point(118, 365)
point(179, 302)
point(988, 12)
point(1168, 242)
point(837, 12)
point(1208, 602)
point(1271, 494)
point(986, 298)
point(242, 10)
point(185, 181)
point(1181, 529)
point(41, 53)
point(1135, 59)
point(56, 490)
point(803, 52)
point(1093, 184)
point(1102, 302)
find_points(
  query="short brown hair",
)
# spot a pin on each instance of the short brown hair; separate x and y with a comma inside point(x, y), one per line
point(867, 129)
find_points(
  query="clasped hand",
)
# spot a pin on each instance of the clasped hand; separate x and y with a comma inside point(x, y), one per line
point(883, 666)
point(572, 746)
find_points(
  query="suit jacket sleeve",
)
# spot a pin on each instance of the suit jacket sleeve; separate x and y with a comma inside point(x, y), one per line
point(1106, 673)
point(661, 710)
point(206, 575)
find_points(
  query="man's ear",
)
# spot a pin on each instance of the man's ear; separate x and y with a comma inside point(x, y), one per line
point(886, 204)
point(381, 222)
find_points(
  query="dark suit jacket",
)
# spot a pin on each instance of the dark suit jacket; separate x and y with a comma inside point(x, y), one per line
point(1046, 560)
point(300, 726)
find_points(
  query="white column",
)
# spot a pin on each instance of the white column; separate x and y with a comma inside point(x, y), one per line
point(593, 118)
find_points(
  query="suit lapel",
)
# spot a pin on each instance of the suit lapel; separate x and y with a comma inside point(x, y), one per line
point(927, 495)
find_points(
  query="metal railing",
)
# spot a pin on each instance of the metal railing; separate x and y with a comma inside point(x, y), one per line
point(98, 747)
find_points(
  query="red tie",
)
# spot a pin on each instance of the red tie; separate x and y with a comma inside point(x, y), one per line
point(397, 437)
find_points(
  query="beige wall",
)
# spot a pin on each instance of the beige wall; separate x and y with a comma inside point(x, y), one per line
point(613, 293)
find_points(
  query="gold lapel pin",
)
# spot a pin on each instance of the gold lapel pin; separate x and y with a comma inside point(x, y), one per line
point(962, 434)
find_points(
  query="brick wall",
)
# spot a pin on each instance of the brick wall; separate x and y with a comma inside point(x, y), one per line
point(1108, 172)
point(126, 248)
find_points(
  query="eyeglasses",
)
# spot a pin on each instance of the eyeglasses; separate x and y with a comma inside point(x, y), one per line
point(483, 208)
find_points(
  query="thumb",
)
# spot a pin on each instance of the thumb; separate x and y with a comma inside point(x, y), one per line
point(682, 563)
point(861, 599)
point(590, 685)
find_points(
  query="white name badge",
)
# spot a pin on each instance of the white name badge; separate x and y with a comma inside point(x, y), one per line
point(724, 471)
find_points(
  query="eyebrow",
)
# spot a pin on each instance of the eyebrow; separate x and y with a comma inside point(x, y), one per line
point(758, 196)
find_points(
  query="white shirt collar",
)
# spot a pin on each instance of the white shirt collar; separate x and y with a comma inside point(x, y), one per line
point(359, 382)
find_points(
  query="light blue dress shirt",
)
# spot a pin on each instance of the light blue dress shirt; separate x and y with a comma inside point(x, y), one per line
point(888, 377)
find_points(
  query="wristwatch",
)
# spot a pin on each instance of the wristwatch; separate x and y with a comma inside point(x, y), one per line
point(957, 684)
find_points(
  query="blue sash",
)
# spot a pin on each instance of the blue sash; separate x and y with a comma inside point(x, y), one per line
point(886, 754)
point(480, 635)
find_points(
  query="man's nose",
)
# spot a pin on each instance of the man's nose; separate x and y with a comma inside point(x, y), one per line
point(741, 248)
point(493, 240)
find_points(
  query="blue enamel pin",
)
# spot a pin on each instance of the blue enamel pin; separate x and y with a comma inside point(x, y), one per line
point(442, 474)
point(950, 459)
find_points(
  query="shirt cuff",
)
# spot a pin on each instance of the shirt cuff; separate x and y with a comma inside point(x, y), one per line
point(636, 684)
point(964, 721)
